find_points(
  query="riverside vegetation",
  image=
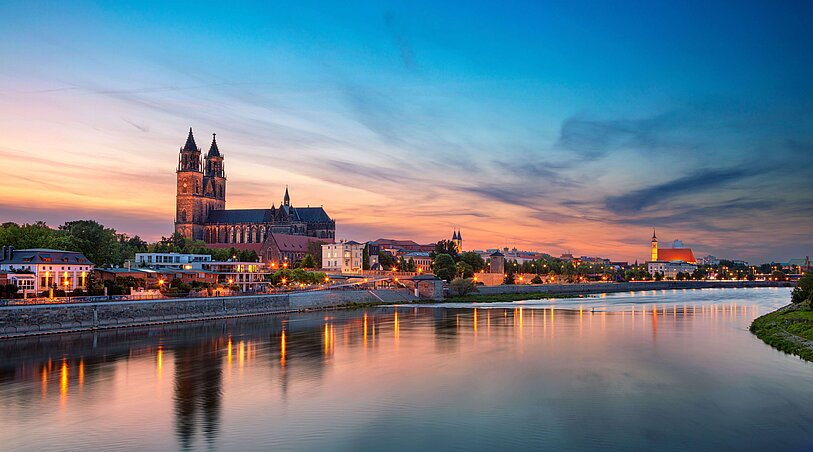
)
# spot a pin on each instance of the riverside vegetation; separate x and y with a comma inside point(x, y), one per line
point(790, 329)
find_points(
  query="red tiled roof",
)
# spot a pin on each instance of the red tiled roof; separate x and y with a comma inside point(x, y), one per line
point(676, 254)
point(294, 243)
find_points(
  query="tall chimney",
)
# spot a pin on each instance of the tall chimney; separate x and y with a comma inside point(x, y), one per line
point(10, 252)
point(3, 257)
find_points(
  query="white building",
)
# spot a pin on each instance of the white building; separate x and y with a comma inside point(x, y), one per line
point(249, 276)
point(710, 260)
point(670, 269)
point(171, 260)
point(422, 261)
point(50, 269)
point(343, 257)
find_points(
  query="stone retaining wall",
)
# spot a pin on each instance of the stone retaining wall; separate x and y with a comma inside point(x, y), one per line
point(21, 320)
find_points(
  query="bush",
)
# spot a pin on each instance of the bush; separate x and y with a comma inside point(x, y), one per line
point(804, 289)
point(444, 267)
point(462, 286)
point(537, 280)
point(464, 270)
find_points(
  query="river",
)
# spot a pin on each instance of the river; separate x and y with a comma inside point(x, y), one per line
point(666, 370)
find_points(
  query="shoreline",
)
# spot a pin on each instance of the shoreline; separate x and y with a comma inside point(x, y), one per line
point(31, 320)
point(774, 327)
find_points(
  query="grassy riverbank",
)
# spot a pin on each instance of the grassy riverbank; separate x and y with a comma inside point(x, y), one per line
point(789, 329)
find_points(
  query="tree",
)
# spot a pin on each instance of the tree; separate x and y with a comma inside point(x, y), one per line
point(315, 250)
point(464, 270)
point(509, 279)
point(308, 261)
point(537, 280)
point(97, 243)
point(804, 289)
point(446, 247)
point(406, 265)
point(444, 267)
point(474, 260)
point(462, 286)
point(386, 260)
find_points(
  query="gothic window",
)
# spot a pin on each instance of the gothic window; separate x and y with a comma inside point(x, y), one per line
point(185, 189)
point(183, 216)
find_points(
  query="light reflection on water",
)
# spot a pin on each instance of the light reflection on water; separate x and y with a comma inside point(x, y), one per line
point(669, 369)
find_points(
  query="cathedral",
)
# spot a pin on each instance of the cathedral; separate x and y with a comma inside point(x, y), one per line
point(201, 214)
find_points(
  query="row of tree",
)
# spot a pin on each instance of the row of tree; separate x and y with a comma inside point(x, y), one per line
point(104, 246)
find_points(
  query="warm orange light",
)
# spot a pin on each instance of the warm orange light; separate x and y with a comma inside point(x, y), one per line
point(282, 350)
point(284, 280)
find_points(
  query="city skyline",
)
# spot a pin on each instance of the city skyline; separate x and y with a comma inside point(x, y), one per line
point(524, 126)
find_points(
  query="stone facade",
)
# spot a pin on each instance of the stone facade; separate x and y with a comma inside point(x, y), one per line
point(26, 320)
point(200, 208)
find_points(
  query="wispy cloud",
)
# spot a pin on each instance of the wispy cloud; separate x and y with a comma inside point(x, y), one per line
point(399, 36)
point(691, 184)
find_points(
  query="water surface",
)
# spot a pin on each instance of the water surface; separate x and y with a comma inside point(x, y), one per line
point(672, 370)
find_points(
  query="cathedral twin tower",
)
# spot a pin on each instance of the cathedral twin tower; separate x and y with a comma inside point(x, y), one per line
point(199, 191)
point(200, 210)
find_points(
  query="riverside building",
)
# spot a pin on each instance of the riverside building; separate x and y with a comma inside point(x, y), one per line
point(37, 270)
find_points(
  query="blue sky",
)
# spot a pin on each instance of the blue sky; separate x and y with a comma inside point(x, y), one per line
point(543, 125)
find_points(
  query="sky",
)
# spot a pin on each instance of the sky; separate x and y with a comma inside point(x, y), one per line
point(551, 126)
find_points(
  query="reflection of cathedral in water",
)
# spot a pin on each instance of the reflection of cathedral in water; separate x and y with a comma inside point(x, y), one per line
point(198, 379)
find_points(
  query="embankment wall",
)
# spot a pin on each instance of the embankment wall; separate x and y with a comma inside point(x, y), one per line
point(21, 320)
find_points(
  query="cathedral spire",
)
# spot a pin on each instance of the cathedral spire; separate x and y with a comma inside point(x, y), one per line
point(213, 150)
point(190, 145)
point(189, 158)
point(287, 199)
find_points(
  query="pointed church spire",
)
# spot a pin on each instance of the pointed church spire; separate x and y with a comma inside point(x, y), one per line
point(189, 158)
point(653, 234)
point(213, 150)
point(287, 199)
point(190, 145)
